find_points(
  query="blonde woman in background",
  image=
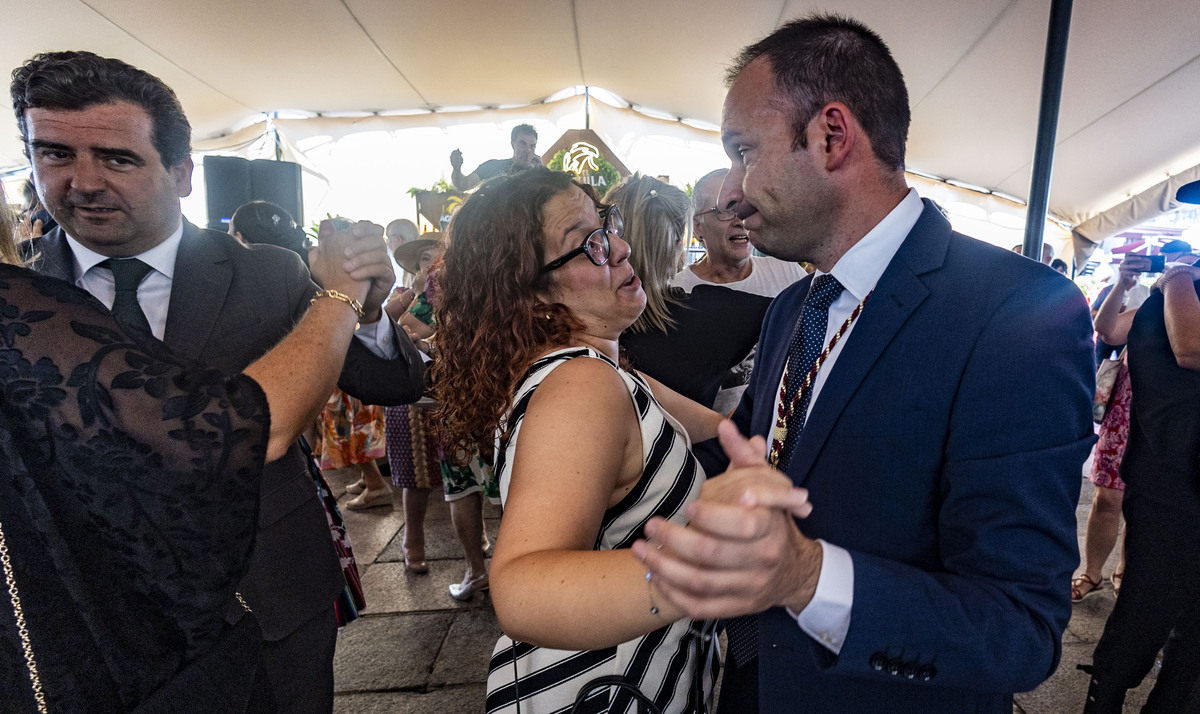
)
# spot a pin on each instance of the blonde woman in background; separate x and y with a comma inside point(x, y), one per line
point(689, 342)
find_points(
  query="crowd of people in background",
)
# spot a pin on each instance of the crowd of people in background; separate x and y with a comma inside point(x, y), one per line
point(808, 446)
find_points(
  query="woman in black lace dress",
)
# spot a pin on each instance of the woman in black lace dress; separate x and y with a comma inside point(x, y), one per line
point(129, 496)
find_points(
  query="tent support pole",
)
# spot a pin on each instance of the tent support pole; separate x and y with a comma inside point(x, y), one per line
point(1043, 155)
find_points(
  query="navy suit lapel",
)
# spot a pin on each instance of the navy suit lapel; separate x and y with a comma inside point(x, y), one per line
point(899, 291)
point(198, 290)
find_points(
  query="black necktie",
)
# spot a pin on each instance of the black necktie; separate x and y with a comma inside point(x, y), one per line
point(803, 350)
point(128, 274)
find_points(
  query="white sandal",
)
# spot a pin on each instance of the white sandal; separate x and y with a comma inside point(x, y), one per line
point(370, 499)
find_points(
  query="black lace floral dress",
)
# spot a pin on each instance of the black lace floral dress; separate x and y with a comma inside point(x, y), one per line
point(128, 502)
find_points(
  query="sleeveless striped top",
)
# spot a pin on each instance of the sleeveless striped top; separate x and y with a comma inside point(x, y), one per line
point(674, 666)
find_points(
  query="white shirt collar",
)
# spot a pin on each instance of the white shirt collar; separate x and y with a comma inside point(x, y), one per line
point(860, 268)
point(161, 257)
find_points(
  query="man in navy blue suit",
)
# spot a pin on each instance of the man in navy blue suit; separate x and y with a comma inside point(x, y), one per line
point(926, 396)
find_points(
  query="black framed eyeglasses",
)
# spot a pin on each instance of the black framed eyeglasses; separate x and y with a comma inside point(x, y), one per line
point(596, 245)
point(722, 214)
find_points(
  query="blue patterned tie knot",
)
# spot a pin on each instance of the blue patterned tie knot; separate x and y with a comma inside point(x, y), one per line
point(825, 290)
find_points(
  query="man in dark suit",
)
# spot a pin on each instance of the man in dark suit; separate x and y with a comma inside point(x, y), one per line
point(110, 149)
point(939, 444)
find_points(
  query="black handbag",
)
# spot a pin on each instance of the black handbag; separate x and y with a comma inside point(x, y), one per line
point(645, 704)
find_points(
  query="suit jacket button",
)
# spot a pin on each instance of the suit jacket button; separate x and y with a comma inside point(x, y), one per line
point(895, 666)
point(910, 671)
point(878, 661)
point(927, 673)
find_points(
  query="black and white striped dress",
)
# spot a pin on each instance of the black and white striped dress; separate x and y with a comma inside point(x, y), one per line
point(524, 679)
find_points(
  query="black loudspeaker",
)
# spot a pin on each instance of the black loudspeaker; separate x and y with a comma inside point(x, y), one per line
point(279, 183)
point(226, 186)
point(230, 181)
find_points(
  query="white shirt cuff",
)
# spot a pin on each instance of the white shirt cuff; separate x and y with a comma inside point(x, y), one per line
point(826, 618)
point(378, 337)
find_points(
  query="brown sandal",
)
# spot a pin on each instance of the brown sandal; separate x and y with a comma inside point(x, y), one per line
point(1084, 587)
point(1116, 582)
point(414, 559)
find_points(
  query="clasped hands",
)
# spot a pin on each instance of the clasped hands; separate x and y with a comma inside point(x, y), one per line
point(353, 259)
point(741, 552)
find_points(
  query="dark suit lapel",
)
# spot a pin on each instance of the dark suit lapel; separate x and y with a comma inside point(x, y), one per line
point(899, 291)
point(198, 290)
point(53, 256)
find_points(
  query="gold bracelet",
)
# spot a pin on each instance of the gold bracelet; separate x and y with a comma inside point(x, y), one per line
point(358, 308)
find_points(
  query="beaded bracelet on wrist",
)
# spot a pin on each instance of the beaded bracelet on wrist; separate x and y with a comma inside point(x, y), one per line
point(1171, 275)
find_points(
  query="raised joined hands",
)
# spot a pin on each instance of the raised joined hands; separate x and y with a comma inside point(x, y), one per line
point(357, 260)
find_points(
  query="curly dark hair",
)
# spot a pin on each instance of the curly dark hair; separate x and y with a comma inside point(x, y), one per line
point(492, 324)
point(79, 80)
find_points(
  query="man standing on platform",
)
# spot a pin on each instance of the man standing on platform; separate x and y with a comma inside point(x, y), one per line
point(931, 393)
point(111, 155)
point(524, 145)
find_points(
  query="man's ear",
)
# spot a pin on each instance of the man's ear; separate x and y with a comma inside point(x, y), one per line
point(182, 174)
point(838, 132)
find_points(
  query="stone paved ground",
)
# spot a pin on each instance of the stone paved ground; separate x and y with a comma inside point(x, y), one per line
point(415, 650)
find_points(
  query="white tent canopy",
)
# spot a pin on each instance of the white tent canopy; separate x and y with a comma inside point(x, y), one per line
point(973, 68)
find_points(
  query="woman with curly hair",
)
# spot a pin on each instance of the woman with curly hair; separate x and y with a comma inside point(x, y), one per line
point(537, 288)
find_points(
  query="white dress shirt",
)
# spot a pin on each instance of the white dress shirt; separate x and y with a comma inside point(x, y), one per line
point(826, 618)
point(154, 292)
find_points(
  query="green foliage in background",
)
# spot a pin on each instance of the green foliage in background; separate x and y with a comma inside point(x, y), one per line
point(315, 227)
point(603, 168)
point(439, 186)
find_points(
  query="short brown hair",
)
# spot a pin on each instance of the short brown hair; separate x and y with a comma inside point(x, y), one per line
point(819, 59)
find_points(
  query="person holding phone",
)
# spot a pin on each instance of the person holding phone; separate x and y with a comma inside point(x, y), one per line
point(1159, 607)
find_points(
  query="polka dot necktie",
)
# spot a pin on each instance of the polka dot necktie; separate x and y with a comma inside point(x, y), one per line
point(127, 275)
point(807, 342)
point(806, 345)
